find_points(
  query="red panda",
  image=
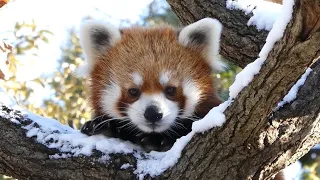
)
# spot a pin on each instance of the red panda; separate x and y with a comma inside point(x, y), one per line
point(147, 85)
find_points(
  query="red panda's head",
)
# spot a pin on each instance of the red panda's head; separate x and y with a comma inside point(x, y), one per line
point(152, 76)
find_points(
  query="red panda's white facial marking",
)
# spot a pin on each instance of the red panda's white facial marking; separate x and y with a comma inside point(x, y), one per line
point(137, 79)
point(153, 113)
point(109, 99)
point(165, 109)
point(192, 94)
point(164, 77)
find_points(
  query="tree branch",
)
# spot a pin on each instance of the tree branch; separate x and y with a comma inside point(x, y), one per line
point(23, 158)
point(245, 147)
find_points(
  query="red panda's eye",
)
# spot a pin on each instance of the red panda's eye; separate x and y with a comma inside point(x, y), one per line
point(134, 92)
point(170, 91)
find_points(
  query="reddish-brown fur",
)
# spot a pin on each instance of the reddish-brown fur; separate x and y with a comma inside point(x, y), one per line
point(150, 52)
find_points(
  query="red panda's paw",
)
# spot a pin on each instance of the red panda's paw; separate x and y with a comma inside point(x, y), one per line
point(87, 128)
point(95, 127)
point(155, 143)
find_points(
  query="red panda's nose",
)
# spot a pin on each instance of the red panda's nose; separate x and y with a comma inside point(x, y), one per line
point(153, 113)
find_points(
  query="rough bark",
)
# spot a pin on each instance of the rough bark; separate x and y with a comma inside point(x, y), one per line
point(247, 146)
point(22, 158)
point(240, 44)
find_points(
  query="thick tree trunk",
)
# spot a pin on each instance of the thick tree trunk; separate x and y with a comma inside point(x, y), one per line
point(246, 146)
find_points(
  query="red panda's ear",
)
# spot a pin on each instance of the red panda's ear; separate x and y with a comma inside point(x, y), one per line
point(204, 35)
point(96, 37)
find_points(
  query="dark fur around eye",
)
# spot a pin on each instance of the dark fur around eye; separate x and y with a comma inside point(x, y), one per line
point(134, 92)
point(170, 91)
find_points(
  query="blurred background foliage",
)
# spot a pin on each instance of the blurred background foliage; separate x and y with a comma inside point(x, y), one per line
point(67, 98)
point(67, 101)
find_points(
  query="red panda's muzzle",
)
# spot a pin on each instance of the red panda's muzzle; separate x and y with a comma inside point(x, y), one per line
point(153, 114)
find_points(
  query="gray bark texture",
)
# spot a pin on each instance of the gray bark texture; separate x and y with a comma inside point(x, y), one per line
point(240, 44)
point(246, 146)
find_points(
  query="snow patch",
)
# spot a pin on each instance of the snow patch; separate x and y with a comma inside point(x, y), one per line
point(157, 162)
point(10, 115)
point(6, 100)
point(214, 118)
point(293, 172)
point(292, 94)
point(126, 166)
point(246, 75)
point(264, 13)
point(59, 156)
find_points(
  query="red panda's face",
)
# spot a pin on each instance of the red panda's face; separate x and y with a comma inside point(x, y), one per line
point(152, 77)
point(152, 103)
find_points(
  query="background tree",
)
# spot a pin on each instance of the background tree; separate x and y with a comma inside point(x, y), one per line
point(27, 39)
point(69, 103)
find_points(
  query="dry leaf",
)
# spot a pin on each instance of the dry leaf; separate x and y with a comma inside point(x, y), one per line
point(2, 49)
point(2, 75)
point(5, 47)
point(3, 2)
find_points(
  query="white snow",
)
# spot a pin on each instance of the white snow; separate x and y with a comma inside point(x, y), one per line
point(292, 94)
point(70, 142)
point(246, 75)
point(293, 172)
point(264, 13)
point(6, 100)
point(214, 118)
point(157, 162)
point(126, 166)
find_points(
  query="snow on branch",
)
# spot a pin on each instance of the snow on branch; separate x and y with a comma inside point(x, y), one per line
point(276, 33)
point(292, 94)
point(72, 143)
point(264, 13)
